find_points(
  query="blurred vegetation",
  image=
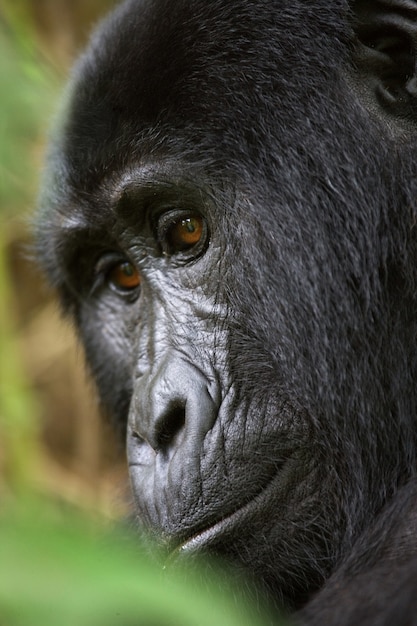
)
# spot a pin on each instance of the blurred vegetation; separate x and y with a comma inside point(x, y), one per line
point(54, 569)
point(26, 87)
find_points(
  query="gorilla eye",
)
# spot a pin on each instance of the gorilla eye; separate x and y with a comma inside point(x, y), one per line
point(124, 276)
point(181, 231)
point(184, 233)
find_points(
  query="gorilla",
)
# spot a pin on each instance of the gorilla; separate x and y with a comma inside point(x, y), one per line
point(228, 213)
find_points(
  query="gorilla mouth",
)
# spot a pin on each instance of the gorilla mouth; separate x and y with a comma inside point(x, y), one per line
point(207, 536)
point(211, 534)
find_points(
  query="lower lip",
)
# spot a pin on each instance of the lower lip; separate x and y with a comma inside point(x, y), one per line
point(209, 535)
point(197, 542)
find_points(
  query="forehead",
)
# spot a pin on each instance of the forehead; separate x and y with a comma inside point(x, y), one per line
point(204, 82)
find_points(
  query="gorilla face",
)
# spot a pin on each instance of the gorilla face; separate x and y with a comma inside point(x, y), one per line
point(227, 213)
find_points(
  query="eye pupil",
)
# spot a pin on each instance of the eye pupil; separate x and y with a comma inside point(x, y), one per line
point(124, 275)
point(128, 269)
point(189, 224)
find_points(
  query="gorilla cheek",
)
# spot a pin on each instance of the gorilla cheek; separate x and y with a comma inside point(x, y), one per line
point(107, 341)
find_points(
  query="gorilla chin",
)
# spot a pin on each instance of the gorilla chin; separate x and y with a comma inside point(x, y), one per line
point(228, 215)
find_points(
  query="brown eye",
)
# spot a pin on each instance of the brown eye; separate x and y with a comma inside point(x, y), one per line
point(185, 233)
point(124, 276)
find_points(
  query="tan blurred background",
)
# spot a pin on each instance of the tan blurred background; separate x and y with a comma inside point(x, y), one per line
point(51, 435)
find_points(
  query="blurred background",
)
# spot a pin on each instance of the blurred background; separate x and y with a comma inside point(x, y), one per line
point(52, 438)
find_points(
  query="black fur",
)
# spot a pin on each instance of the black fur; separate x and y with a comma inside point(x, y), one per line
point(269, 373)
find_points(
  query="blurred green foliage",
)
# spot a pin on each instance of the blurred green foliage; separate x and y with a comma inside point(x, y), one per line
point(28, 94)
point(55, 570)
point(28, 90)
point(18, 424)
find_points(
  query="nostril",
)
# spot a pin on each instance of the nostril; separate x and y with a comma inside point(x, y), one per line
point(170, 425)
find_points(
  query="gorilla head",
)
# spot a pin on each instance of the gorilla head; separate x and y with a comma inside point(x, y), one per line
point(228, 214)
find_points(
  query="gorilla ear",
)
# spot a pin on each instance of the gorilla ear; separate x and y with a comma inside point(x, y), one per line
point(386, 31)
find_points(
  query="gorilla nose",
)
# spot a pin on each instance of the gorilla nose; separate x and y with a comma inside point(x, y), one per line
point(172, 406)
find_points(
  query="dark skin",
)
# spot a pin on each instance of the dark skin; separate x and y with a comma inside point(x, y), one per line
point(229, 216)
